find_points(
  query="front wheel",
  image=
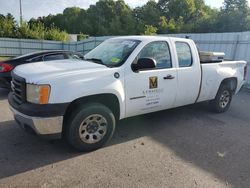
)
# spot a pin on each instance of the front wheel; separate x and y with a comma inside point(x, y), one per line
point(223, 99)
point(90, 127)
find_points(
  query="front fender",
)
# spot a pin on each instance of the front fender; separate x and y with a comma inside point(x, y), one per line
point(77, 87)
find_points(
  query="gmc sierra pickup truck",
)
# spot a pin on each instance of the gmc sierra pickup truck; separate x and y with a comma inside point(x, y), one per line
point(81, 101)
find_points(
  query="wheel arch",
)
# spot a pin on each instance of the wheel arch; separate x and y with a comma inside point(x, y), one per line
point(107, 99)
point(231, 83)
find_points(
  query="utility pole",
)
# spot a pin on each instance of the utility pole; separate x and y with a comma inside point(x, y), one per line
point(21, 13)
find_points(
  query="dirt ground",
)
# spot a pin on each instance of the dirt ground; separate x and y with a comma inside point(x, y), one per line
point(184, 147)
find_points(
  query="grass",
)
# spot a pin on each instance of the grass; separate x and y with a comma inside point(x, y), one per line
point(3, 58)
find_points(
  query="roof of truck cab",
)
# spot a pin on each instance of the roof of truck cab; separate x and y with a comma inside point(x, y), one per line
point(149, 38)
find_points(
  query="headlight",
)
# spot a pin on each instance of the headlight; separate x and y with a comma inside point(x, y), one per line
point(38, 94)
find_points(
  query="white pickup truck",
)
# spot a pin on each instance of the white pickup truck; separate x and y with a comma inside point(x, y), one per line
point(122, 77)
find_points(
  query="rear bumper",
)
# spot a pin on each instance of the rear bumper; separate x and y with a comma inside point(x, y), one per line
point(50, 127)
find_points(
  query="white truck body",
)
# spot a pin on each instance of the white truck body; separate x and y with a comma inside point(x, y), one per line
point(70, 80)
point(73, 79)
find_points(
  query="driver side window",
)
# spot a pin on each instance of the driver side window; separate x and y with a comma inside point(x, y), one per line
point(159, 51)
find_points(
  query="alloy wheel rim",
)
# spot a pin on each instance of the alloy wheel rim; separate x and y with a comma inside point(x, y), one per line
point(224, 99)
point(93, 128)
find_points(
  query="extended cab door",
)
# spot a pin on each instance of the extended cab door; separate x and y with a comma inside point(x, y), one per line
point(155, 89)
point(188, 72)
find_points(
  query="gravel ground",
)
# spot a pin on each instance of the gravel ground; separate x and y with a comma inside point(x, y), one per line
point(184, 147)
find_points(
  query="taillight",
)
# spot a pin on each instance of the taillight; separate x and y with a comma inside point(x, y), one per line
point(4, 67)
point(245, 72)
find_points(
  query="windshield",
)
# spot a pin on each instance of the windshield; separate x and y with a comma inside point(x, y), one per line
point(112, 53)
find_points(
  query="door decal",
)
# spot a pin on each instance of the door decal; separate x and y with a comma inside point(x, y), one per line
point(153, 82)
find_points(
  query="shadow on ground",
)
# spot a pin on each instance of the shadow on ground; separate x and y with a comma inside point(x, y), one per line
point(217, 143)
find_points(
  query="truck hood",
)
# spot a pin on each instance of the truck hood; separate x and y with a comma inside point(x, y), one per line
point(35, 72)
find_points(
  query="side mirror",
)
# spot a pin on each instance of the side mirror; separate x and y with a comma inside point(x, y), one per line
point(144, 64)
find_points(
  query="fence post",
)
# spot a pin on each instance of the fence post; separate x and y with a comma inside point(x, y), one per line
point(20, 47)
point(236, 46)
point(83, 48)
point(42, 47)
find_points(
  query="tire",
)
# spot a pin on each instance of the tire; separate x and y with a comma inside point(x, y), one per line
point(90, 127)
point(222, 101)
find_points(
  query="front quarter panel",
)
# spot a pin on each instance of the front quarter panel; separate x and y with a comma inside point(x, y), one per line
point(72, 87)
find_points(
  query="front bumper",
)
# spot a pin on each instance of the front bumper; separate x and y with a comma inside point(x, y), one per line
point(43, 120)
point(50, 127)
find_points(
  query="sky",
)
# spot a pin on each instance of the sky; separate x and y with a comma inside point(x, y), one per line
point(36, 8)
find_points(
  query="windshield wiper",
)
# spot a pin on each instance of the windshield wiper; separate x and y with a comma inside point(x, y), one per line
point(98, 61)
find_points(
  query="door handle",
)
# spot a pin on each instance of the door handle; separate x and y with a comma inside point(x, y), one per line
point(169, 77)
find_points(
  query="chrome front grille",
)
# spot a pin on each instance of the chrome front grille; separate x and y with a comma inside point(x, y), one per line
point(18, 86)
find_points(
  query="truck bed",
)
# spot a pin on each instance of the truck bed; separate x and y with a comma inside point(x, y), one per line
point(213, 74)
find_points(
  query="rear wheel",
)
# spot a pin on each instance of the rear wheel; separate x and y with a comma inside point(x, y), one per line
point(90, 127)
point(223, 99)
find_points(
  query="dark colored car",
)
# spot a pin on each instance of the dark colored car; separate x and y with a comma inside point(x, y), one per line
point(7, 66)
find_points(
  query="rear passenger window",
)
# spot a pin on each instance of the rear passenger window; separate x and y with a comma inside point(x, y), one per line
point(159, 51)
point(184, 54)
point(36, 59)
point(54, 57)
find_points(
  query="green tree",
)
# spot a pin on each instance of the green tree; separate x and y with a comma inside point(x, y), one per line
point(82, 36)
point(100, 16)
point(55, 34)
point(123, 22)
point(149, 14)
point(8, 26)
point(150, 30)
point(233, 16)
point(207, 23)
point(170, 26)
point(185, 13)
point(110, 17)
point(178, 8)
